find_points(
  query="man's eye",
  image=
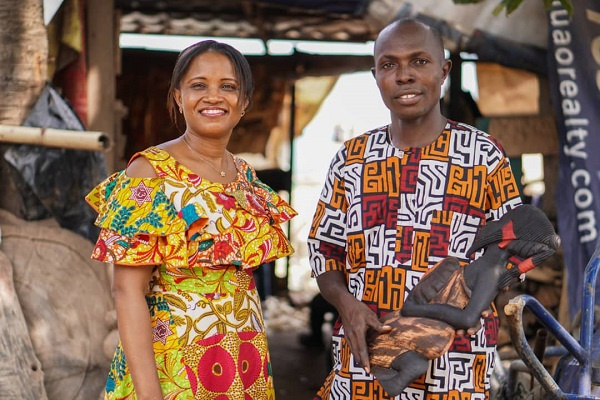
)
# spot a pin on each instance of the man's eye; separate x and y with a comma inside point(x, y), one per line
point(387, 66)
point(421, 61)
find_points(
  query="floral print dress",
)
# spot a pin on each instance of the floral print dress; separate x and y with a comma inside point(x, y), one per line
point(204, 238)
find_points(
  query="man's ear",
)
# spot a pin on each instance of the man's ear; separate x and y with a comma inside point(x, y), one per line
point(446, 67)
point(373, 72)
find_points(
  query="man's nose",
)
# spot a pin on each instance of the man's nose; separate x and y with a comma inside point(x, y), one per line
point(404, 74)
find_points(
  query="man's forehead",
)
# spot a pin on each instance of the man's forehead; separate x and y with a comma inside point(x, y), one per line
point(410, 35)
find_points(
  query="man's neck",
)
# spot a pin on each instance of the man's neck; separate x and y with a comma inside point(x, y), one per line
point(416, 133)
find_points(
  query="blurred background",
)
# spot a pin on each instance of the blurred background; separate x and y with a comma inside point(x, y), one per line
point(100, 69)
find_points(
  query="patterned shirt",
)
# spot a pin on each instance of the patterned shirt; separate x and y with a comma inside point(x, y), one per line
point(385, 216)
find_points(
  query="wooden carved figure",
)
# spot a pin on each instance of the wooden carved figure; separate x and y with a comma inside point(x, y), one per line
point(451, 297)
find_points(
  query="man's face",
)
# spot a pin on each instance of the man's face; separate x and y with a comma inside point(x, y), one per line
point(410, 69)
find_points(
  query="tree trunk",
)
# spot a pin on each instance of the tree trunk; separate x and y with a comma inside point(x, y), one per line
point(23, 74)
point(23, 58)
point(21, 375)
point(23, 66)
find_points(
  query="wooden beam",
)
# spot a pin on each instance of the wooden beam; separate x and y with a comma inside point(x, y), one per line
point(102, 47)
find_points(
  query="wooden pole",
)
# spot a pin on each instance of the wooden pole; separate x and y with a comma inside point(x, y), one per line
point(81, 140)
point(102, 41)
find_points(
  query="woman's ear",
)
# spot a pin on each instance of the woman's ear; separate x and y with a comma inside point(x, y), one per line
point(177, 98)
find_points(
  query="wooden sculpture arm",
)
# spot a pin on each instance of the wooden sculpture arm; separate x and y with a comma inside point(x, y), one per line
point(481, 277)
point(459, 319)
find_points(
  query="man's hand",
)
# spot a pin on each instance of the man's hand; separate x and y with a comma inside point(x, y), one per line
point(357, 317)
point(359, 320)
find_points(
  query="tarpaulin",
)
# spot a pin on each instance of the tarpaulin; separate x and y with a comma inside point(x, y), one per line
point(574, 75)
point(53, 182)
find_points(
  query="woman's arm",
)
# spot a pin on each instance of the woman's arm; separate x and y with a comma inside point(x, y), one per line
point(130, 285)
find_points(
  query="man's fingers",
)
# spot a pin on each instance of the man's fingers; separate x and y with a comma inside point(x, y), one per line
point(358, 347)
point(364, 357)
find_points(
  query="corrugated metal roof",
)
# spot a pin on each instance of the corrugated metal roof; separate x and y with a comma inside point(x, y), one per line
point(330, 20)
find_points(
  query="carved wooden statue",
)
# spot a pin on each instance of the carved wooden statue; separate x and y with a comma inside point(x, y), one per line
point(450, 297)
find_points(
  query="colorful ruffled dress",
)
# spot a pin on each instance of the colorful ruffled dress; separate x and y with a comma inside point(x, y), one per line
point(205, 239)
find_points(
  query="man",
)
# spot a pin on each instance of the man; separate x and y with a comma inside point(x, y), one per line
point(397, 200)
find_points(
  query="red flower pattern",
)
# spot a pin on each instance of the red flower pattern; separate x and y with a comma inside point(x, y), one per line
point(221, 249)
point(226, 201)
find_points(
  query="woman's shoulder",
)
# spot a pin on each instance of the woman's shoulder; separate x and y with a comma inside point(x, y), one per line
point(140, 167)
point(149, 163)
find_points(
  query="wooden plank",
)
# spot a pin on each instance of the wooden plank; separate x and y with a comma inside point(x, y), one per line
point(525, 135)
point(21, 375)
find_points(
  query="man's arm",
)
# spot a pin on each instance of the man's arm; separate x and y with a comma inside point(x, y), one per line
point(356, 316)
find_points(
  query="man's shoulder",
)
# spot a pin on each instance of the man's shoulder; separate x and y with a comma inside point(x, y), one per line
point(380, 131)
point(463, 128)
point(474, 138)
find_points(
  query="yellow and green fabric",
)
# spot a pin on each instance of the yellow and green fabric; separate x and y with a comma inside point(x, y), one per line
point(204, 238)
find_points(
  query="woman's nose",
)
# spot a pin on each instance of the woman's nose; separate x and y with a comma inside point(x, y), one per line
point(212, 94)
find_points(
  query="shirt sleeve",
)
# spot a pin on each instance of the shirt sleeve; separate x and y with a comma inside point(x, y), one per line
point(327, 237)
point(502, 191)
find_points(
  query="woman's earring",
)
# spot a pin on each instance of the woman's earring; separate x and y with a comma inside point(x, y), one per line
point(180, 110)
point(243, 113)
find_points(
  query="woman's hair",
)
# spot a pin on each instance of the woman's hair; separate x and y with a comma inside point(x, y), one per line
point(240, 65)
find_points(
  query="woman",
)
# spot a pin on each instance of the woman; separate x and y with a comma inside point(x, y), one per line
point(185, 224)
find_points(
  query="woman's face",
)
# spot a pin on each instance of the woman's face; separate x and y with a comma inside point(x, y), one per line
point(209, 94)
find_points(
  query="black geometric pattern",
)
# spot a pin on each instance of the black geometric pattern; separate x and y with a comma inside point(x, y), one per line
point(384, 218)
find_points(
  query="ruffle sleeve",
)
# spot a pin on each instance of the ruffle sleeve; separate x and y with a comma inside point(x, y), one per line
point(140, 226)
point(260, 200)
point(243, 229)
point(182, 222)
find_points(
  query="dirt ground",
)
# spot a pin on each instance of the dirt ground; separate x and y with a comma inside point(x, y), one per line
point(298, 372)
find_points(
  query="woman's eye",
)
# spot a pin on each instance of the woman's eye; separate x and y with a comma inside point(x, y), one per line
point(228, 86)
point(198, 86)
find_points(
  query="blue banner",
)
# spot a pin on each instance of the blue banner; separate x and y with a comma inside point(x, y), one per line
point(574, 74)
